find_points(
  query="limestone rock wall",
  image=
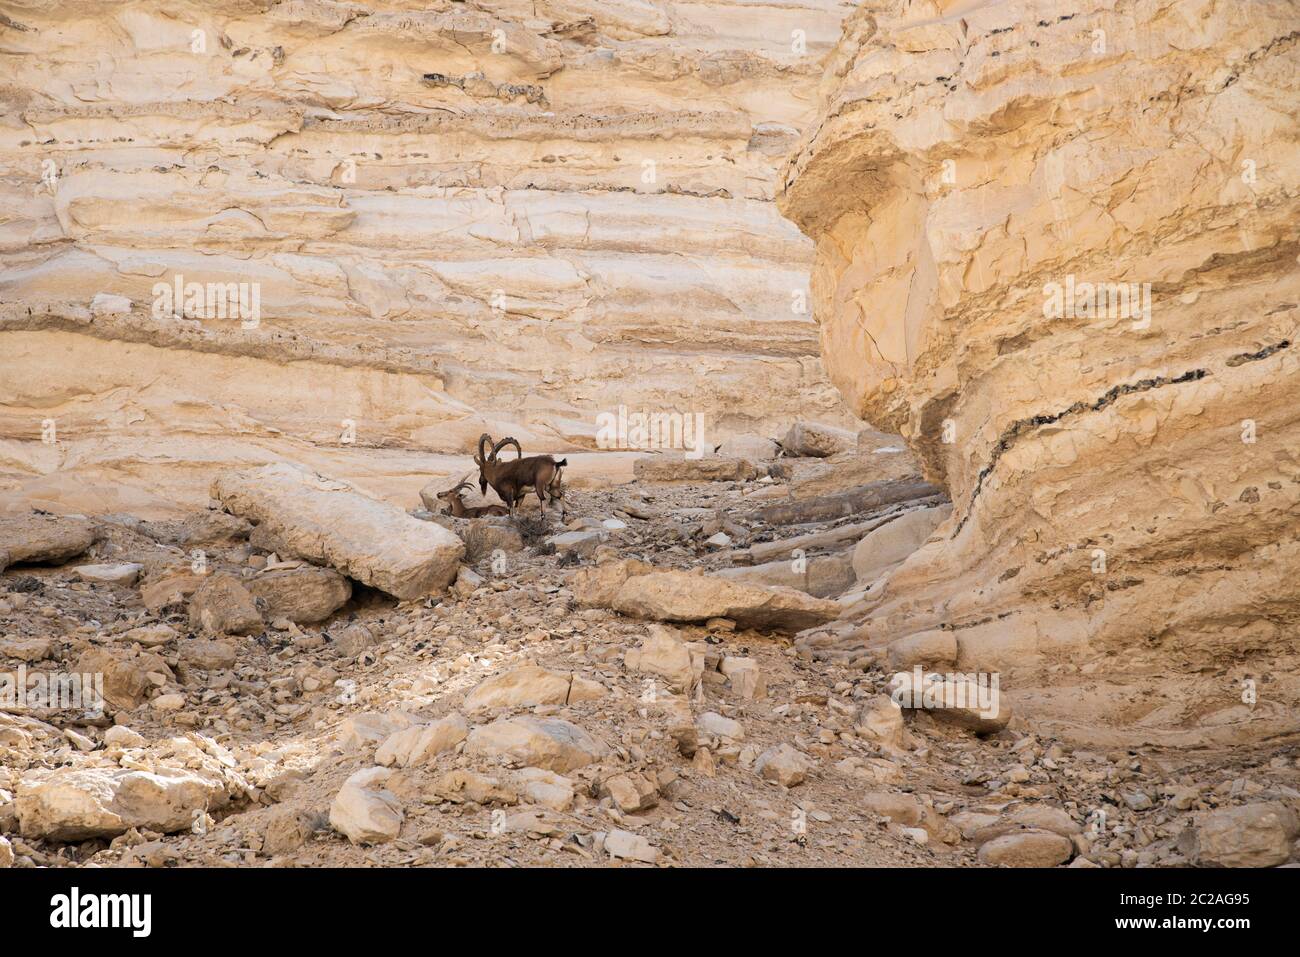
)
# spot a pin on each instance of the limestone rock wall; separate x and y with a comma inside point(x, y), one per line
point(1125, 480)
point(509, 215)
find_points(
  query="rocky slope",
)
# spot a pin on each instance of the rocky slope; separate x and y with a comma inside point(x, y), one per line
point(256, 713)
point(503, 214)
point(1124, 474)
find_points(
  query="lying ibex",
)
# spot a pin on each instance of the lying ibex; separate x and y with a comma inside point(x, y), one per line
point(457, 508)
point(511, 480)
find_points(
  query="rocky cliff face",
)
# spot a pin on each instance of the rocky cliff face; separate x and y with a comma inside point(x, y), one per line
point(1057, 250)
point(407, 221)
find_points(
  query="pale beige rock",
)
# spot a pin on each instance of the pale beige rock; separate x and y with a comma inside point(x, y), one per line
point(120, 736)
point(208, 655)
point(536, 241)
point(546, 788)
point(712, 723)
point(670, 467)
point(665, 653)
point(822, 576)
point(754, 448)
point(929, 649)
point(629, 846)
point(634, 589)
point(42, 539)
point(112, 573)
point(529, 686)
point(27, 649)
point(891, 543)
point(880, 721)
point(902, 809)
point(420, 744)
point(1028, 848)
point(223, 606)
point(1106, 500)
point(745, 677)
point(125, 673)
point(966, 700)
point(630, 793)
point(364, 811)
point(464, 785)
point(815, 440)
point(71, 805)
point(783, 765)
point(150, 636)
point(325, 521)
point(303, 595)
point(1254, 835)
point(549, 743)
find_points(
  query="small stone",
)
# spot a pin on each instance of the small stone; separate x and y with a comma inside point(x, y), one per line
point(364, 811)
point(208, 655)
point(120, 736)
point(712, 723)
point(630, 792)
point(629, 846)
point(222, 605)
point(119, 573)
point(782, 765)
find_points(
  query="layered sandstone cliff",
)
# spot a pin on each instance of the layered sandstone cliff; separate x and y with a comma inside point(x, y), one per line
point(1123, 457)
point(505, 215)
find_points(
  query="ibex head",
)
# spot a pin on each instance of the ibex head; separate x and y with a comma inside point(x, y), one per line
point(454, 490)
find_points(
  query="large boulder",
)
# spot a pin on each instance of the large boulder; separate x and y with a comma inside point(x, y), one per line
point(1255, 835)
point(328, 522)
point(892, 542)
point(45, 539)
point(304, 595)
point(72, 805)
point(683, 596)
point(549, 743)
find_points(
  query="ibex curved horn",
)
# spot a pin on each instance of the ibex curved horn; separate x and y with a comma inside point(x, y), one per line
point(484, 441)
point(496, 449)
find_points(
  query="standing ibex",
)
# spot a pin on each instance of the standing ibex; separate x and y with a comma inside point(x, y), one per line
point(511, 480)
point(457, 508)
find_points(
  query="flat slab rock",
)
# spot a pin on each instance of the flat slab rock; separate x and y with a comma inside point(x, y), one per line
point(330, 523)
point(636, 589)
point(51, 539)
